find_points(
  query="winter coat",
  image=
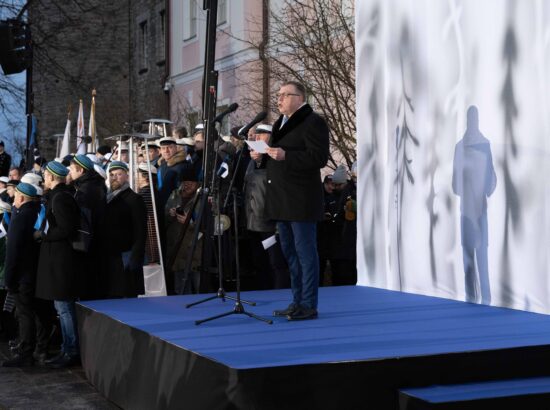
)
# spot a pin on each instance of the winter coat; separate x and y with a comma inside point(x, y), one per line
point(60, 275)
point(21, 247)
point(294, 191)
point(254, 199)
point(91, 193)
point(125, 232)
point(171, 172)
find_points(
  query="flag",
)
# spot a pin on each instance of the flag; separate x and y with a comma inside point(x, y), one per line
point(32, 142)
point(32, 149)
point(81, 145)
point(91, 127)
point(66, 138)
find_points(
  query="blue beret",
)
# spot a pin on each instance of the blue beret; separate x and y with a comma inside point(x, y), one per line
point(118, 165)
point(26, 189)
point(57, 169)
point(84, 162)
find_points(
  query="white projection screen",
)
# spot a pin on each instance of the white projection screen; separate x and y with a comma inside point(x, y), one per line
point(453, 140)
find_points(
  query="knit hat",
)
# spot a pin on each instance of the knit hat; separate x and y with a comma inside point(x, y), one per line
point(84, 162)
point(57, 169)
point(26, 189)
point(118, 165)
point(340, 175)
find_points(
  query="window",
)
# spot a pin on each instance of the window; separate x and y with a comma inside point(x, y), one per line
point(162, 35)
point(222, 12)
point(192, 19)
point(143, 44)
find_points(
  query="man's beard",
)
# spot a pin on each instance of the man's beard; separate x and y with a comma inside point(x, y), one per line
point(115, 185)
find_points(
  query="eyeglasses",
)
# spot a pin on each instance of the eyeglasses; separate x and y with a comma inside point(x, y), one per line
point(284, 95)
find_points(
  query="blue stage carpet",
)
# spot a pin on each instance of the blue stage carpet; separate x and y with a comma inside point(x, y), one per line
point(355, 324)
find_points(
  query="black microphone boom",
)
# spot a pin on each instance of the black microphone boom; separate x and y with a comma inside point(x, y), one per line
point(229, 110)
point(243, 132)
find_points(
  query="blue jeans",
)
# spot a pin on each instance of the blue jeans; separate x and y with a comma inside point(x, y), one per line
point(299, 246)
point(67, 319)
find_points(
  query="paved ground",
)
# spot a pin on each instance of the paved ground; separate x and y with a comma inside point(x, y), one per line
point(40, 388)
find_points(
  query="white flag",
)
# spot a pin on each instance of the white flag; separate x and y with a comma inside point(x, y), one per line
point(66, 138)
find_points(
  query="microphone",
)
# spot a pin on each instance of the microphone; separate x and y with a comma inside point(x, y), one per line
point(229, 110)
point(243, 132)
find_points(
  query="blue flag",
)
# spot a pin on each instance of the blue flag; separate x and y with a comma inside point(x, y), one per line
point(41, 218)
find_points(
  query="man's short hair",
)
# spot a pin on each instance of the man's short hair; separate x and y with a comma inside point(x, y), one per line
point(56, 178)
point(299, 87)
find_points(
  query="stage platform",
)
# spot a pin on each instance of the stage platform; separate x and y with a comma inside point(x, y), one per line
point(367, 343)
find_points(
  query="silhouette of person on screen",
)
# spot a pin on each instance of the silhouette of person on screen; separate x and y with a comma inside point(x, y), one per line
point(474, 180)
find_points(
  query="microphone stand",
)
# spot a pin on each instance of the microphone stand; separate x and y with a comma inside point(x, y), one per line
point(221, 293)
point(234, 176)
point(238, 309)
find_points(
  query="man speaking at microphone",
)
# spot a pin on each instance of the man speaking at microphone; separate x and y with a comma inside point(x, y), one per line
point(299, 149)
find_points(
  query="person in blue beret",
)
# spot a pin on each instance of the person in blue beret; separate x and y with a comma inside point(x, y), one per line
point(20, 274)
point(90, 194)
point(124, 235)
point(58, 276)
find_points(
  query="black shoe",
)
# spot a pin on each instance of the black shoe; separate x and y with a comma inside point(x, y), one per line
point(19, 360)
point(285, 312)
point(55, 358)
point(64, 361)
point(303, 314)
point(39, 358)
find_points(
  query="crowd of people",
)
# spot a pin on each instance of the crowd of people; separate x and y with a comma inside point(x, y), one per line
point(75, 229)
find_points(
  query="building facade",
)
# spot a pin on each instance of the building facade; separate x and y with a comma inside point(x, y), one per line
point(240, 29)
point(117, 48)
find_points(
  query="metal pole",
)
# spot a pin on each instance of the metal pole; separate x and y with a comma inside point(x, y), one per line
point(154, 202)
point(29, 97)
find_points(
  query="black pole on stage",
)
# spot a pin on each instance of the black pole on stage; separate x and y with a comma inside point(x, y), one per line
point(29, 160)
point(209, 183)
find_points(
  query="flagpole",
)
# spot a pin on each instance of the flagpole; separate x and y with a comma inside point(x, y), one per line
point(66, 136)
